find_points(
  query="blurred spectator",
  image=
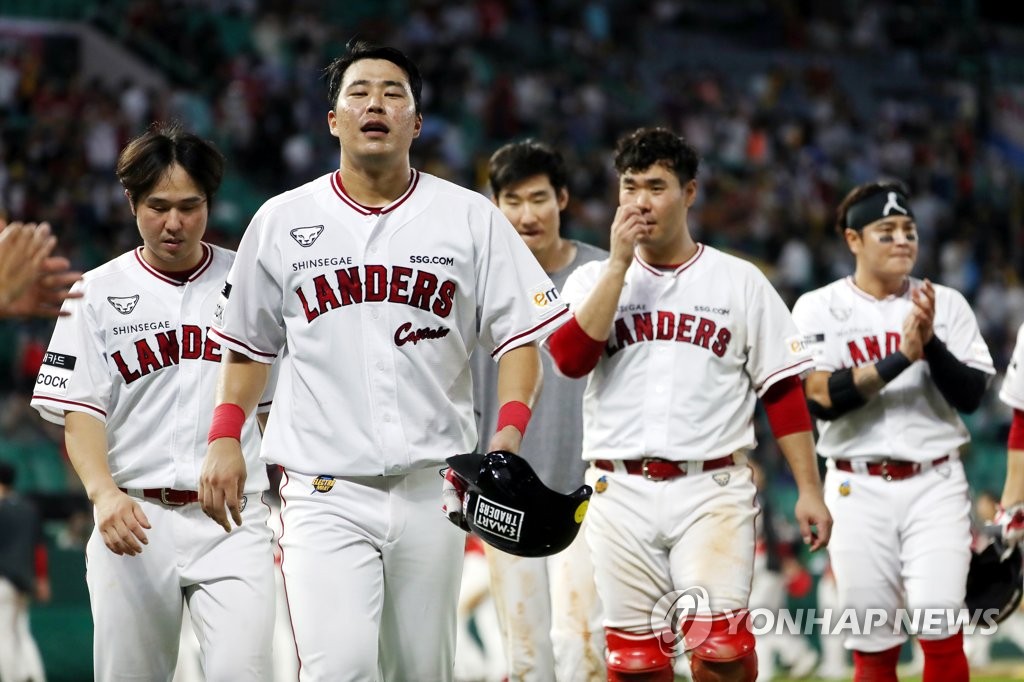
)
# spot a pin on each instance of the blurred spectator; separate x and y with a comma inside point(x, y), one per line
point(23, 575)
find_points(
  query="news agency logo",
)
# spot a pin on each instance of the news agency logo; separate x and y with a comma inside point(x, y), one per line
point(683, 617)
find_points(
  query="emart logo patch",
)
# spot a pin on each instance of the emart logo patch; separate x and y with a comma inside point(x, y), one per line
point(545, 296)
point(497, 519)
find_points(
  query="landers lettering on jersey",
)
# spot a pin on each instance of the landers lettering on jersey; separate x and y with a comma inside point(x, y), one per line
point(163, 349)
point(497, 519)
point(377, 283)
point(664, 325)
point(870, 348)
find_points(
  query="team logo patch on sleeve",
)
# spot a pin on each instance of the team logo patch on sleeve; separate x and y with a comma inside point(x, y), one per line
point(124, 304)
point(305, 236)
point(497, 519)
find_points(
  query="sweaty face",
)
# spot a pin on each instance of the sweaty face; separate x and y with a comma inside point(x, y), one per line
point(375, 115)
point(172, 220)
point(886, 248)
point(532, 206)
point(663, 201)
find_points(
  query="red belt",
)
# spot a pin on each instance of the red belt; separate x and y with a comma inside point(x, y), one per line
point(654, 469)
point(893, 469)
point(169, 496)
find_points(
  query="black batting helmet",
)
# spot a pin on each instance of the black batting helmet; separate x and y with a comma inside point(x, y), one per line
point(995, 583)
point(509, 507)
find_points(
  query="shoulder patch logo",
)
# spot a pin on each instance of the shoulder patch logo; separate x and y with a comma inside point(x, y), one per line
point(124, 304)
point(305, 236)
point(841, 314)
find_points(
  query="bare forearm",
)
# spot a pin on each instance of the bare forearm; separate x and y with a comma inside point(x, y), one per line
point(1013, 488)
point(520, 375)
point(86, 439)
point(596, 314)
point(242, 381)
point(798, 449)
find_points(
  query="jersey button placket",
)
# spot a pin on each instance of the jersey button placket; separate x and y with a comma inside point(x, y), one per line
point(657, 407)
point(379, 344)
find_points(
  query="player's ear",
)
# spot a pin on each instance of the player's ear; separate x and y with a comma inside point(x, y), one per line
point(131, 204)
point(562, 196)
point(419, 125)
point(690, 191)
point(854, 240)
point(332, 122)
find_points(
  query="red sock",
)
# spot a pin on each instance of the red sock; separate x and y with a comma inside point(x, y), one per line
point(944, 659)
point(876, 666)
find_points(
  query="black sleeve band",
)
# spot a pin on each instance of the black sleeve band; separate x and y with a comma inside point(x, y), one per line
point(891, 366)
point(963, 387)
point(843, 394)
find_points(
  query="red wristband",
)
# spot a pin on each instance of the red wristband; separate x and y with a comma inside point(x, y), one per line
point(227, 422)
point(514, 413)
point(1015, 441)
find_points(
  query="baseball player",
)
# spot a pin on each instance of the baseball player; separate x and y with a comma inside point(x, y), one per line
point(1010, 514)
point(895, 358)
point(548, 608)
point(23, 575)
point(131, 376)
point(679, 340)
point(375, 283)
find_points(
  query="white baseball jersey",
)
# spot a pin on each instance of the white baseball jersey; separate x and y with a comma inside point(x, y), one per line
point(135, 353)
point(909, 420)
point(690, 351)
point(377, 311)
point(1012, 391)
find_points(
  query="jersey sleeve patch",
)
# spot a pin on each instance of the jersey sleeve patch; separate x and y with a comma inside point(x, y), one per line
point(55, 374)
point(799, 346)
point(546, 299)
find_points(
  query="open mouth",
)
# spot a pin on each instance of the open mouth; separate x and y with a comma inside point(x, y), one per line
point(375, 127)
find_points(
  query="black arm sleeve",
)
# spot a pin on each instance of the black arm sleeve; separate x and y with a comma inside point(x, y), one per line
point(963, 387)
point(843, 394)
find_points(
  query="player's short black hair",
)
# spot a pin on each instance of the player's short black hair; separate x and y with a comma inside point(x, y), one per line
point(357, 50)
point(862, 192)
point(147, 158)
point(8, 474)
point(644, 147)
point(517, 161)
